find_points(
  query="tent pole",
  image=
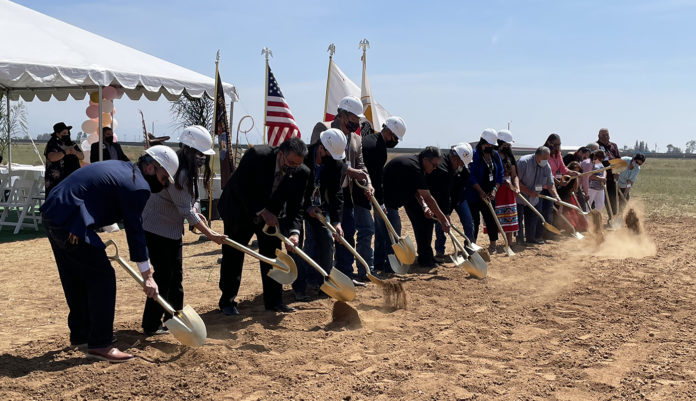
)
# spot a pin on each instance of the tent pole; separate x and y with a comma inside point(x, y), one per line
point(99, 129)
point(9, 134)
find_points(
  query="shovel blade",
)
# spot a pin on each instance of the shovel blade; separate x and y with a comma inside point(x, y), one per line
point(476, 267)
point(578, 235)
point(405, 251)
point(457, 259)
point(338, 286)
point(187, 327)
point(285, 271)
point(552, 228)
point(397, 266)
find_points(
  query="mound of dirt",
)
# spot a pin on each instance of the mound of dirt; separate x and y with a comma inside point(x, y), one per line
point(345, 315)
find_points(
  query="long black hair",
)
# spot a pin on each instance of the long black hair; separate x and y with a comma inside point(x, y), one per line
point(507, 152)
point(187, 162)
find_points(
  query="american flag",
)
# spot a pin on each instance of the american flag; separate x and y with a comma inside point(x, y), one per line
point(281, 124)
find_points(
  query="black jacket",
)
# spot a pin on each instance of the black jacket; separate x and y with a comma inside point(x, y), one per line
point(249, 188)
point(375, 157)
point(329, 186)
point(94, 154)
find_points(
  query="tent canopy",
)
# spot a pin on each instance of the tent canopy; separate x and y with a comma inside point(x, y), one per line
point(41, 56)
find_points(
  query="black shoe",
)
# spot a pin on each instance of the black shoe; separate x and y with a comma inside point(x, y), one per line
point(302, 297)
point(282, 308)
point(230, 310)
point(160, 330)
point(536, 242)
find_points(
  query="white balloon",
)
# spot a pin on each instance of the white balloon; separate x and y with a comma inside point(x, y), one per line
point(114, 123)
point(92, 138)
point(86, 150)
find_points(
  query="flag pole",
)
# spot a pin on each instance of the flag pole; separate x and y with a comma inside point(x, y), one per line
point(211, 181)
point(268, 53)
point(364, 45)
point(331, 50)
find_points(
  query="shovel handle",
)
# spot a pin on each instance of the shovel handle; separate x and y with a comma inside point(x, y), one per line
point(137, 276)
point(566, 204)
point(343, 241)
point(500, 228)
point(236, 245)
point(296, 249)
point(609, 208)
point(529, 205)
point(394, 236)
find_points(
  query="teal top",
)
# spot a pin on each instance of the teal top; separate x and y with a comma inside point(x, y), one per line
point(630, 174)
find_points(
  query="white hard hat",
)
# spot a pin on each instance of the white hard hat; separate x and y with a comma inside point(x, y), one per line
point(351, 104)
point(335, 142)
point(396, 125)
point(166, 157)
point(489, 135)
point(505, 136)
point(464, 152)
point(198, 137)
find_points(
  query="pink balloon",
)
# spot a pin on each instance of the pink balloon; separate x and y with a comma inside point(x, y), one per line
point(92, 111)
point(107, 106)
point(115, 137)
point(90, 126)
point(109, 93)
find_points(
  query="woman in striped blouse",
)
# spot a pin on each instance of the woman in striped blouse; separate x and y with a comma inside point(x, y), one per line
point(163, 221)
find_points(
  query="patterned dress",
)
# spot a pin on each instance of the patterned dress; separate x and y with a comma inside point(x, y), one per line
point(506, 202)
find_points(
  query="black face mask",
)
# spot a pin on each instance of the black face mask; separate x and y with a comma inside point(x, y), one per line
point(488, 150)
point(351, 126)
point(327, 159)
point(66, 140)
point(200, 161)
point(109, 139)
point(153, 181)
point(391, 143)
point(287, 170)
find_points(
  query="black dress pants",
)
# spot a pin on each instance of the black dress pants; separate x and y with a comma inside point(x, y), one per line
point(89, 284)
point(423, 231)
point(166, 259)
point(241, 230)
point(479, 208)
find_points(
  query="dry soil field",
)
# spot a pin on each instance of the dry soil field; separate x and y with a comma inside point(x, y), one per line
point(564, 321)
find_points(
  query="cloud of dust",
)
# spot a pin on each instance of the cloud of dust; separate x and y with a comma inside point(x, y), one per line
point(623, 243)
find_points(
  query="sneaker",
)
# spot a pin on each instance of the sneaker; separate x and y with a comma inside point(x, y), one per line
point(492, 250)
point(109, 354)
point(359, 283)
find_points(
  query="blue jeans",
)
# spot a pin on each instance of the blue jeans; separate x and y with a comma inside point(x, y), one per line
point(440, 239)
point(465, 218)
point(358, 219)
point(318, 245)
point(382, 242)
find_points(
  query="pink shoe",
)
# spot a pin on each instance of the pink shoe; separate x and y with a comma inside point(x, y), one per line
point(109, 354)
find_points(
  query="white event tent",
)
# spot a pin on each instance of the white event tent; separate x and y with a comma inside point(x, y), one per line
point(41, 57)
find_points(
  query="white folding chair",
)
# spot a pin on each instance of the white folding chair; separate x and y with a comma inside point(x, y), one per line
point(23, 199)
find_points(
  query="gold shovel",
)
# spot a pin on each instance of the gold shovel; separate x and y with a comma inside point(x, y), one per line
point(185, 325)
point(547, 226)
point(284, 270)
point(565, 219)
point(473, 250)
point(403, 246)
point(474, 264)
point(508, 250)
point(336, 284)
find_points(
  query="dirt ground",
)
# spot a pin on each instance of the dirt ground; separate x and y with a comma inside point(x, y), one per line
point(564, 321)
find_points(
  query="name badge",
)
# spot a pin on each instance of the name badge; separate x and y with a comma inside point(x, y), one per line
point(348, 163)
point(490, 177)
point(558, 176)
point(628, 185)
point(538, 188)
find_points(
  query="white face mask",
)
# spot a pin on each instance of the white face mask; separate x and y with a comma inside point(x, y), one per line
point(543, 163)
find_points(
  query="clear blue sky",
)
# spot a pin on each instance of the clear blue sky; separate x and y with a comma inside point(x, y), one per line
point(450, 68)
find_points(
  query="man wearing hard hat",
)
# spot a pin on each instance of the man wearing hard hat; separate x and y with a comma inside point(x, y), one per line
point(95, 196)
point(266, 189)
point(356, 207)
point(405, 185)
point(374, 148)
point(323, 196)
point(447, 183)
